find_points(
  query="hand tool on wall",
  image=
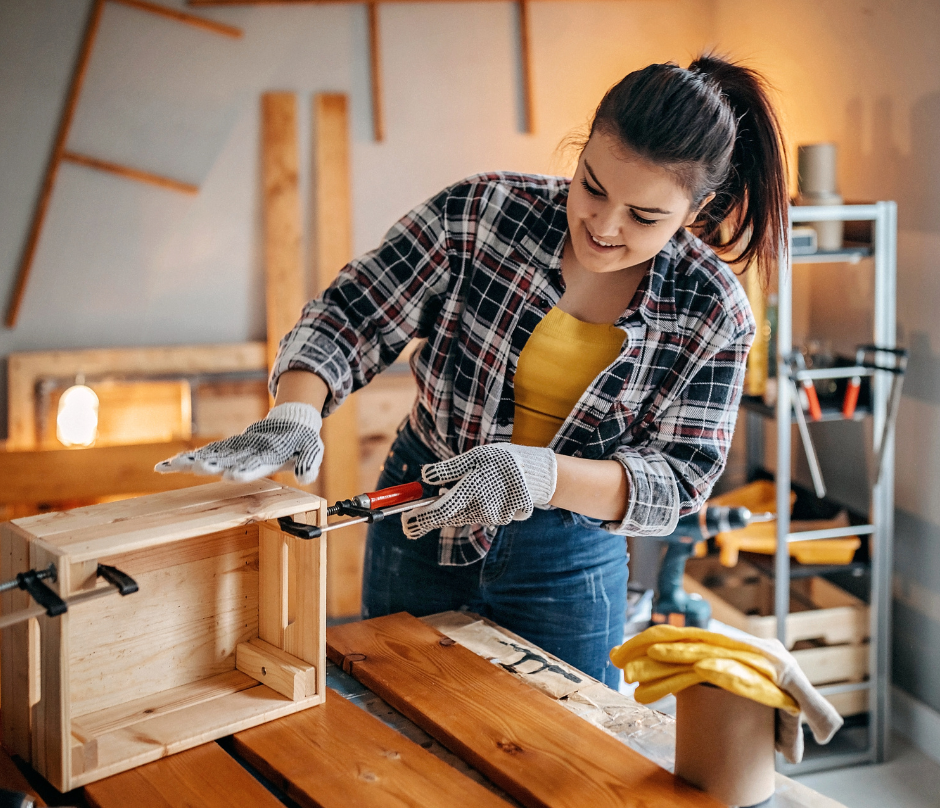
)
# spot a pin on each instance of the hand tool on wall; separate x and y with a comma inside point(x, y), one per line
point(51, 604)
point(797, 363)
point(371, 507)
point(673, 605)
point(897, 369)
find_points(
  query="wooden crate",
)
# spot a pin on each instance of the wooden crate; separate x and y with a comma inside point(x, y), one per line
point(827, 628)
point(226, 601)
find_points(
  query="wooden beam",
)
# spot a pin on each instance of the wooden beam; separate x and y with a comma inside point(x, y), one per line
point(182, 16)
point(130, 173)
point(61, 475)
point(332, 249)
point(375, 67)
point(360, 762)
point(525, 61)
point(284, 287)
point(52, 168)
point(520, 739)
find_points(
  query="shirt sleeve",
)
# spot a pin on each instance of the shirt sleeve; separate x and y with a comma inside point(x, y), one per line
point(376, 305)
point(672, 468)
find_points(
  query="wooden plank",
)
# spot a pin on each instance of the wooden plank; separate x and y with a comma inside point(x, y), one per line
point(284, 285)
point(12, 778)
point(175, 732)
point(525, 61)
point(51, 720)
point(332, 250)
point(182, 626)
point(26, 370)
point(274, 668)
point(138, 711)
point(136, 174)
point(52, 168)
point(359, 762)
point(375, 73)
point(520, 739)
point(149, 521)
point(182, 16)
point(18, 685)
point(205, 776)
point(61, 475)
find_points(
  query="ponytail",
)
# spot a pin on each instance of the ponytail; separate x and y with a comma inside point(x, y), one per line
point(713, 126)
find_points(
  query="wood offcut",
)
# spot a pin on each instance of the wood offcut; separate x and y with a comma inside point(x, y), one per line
point(331, 244)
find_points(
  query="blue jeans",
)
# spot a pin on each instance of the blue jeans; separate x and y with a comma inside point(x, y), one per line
point(556, 579)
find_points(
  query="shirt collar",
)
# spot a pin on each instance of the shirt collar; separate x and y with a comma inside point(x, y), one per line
point(658, 305)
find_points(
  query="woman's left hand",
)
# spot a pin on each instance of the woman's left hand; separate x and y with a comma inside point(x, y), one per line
point(495, 484)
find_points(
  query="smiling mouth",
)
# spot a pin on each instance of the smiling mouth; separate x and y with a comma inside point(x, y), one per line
point(604, 244)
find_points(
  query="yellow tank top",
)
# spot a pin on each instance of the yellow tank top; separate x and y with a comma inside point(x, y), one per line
point(559, 362)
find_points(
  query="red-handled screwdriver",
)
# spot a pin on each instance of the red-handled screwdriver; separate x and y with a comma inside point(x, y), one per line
point(850, 401)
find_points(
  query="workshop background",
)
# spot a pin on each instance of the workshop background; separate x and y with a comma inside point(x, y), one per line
point(126, 264)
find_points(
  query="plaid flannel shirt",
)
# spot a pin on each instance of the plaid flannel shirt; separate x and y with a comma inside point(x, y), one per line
point(471, 273)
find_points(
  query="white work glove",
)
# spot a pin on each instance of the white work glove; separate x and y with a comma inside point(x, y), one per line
point(288, 438)
point(495, 484)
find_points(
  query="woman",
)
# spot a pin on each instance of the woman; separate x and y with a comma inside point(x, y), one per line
point(581, 362)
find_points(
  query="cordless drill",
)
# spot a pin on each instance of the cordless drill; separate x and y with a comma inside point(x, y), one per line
point(673, 604)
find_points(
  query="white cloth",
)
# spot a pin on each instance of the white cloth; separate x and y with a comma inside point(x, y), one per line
point(495, 485)
point(287, 439)
point(822, 717)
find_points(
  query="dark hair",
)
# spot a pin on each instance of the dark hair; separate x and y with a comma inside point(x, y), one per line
point(714, 127)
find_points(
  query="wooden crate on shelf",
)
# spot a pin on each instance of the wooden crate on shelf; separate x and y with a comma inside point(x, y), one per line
point(827, 628)
point(227, 630)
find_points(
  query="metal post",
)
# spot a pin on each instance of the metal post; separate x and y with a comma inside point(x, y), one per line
point(783, 472)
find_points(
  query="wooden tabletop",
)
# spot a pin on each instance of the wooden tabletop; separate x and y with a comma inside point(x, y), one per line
point(478, 743)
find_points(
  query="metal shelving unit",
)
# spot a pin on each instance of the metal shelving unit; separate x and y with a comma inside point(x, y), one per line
point(870, 746)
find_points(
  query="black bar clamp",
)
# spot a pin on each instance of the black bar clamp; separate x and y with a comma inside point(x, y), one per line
point(32, 582)
point(299, 529)
point(349, 508)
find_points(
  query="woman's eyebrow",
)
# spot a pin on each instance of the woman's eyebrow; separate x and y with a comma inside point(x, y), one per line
point(597, 182)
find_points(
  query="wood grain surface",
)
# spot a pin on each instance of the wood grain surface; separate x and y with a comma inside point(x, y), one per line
point(337, 756)
point(205, 776)
point(519, 738)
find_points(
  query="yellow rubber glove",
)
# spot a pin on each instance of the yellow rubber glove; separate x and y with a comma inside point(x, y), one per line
point(742, 680)
point(649, 692)
point(688, 653)
point(644, 669)
point(637, 646)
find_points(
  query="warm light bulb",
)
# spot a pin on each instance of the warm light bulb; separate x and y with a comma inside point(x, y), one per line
point(77, 419)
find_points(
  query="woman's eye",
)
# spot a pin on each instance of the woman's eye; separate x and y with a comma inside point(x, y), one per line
point(641, 220)
point(591, 189)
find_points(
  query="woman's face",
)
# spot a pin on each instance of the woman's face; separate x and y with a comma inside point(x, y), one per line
point(622, 209)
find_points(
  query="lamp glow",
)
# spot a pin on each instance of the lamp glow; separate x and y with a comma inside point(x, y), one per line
point(77, 418)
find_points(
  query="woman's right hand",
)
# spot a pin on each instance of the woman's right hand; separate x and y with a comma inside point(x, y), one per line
point(287, 439)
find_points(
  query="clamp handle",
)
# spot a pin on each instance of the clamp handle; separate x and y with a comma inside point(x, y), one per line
point(31, 581)
point(124, 583)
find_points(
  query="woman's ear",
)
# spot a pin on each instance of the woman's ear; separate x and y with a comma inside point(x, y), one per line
point(695, 211)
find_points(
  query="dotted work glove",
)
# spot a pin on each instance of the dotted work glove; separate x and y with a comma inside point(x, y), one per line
point(495, 484)
point(288, 438)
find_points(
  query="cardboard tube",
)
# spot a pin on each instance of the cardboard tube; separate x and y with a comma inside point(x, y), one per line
point(725, 744)
point(816, 165)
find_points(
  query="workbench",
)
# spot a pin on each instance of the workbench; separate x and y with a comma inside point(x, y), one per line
point(338, 754)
